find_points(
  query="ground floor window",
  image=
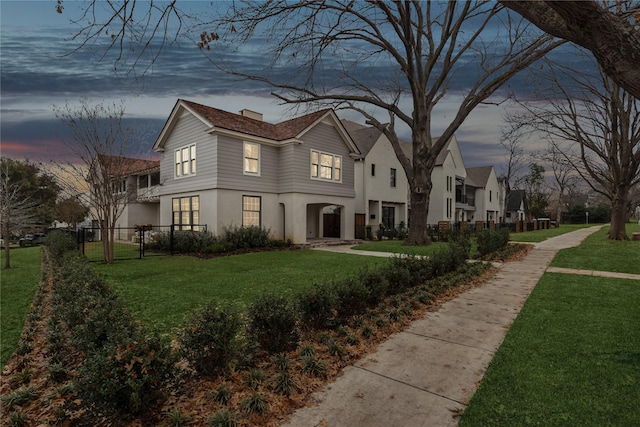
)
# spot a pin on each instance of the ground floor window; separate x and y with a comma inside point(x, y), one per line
point(186, 213)
point(251, 209)
point(389, 216)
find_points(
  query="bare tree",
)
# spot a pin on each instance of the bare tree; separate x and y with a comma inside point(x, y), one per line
point(564, 177)
point(321, 53)
point(512, 140)
point(17, 209)
point(98, 146)
point(596, 124)
point(612, 35)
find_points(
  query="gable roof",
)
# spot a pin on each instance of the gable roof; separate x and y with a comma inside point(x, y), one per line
point(219, 120)
point(366, 137)
point(478, 177)
point(121, 166)
point(515, 200)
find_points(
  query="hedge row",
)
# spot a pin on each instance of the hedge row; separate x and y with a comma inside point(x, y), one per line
point(124, 367)
point(234, 239)
point(120, 365)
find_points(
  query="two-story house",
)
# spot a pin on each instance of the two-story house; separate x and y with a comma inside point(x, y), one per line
point(222, 169)
point(380, 182)
point(448, 199)
point(483, 194)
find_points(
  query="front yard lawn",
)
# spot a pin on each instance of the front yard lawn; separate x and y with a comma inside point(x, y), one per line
point(542, 235)
point(397, 247)
point(572, 357)
point(17, 287)
point(162, 290)
point(598, 253)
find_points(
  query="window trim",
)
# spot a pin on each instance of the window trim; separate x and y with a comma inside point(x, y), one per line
point(259, 211)
point(245, 158)
point(190, 163)
point(318, 166)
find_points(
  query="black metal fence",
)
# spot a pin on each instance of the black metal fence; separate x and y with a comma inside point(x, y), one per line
point(130, 242)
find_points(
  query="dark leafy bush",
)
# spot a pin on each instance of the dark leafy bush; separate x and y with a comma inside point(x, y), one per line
point(246, 237)
point(492, 240)
point(272, 322)
point(212, 338)
point(59, 243)
point(184, 241)
point(128, 376)
point(317, 306)
point(376, 283)
point(353, 296)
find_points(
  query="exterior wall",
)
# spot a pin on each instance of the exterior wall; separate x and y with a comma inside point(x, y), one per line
point(374, 192)
point(492, 203)
point(189, 130)
point(295, 164)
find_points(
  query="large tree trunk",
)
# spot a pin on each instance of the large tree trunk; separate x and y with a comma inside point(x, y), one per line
point(418, 235)
point(619, 204)
point(420, 187)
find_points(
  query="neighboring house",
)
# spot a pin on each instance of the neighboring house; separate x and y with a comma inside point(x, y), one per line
point(516, 206)
point(448, 200)
point(483, 193)
point(136, 182)
point(380, 181)
point(221, 169)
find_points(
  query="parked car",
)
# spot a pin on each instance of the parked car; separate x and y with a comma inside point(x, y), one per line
point(32, 239)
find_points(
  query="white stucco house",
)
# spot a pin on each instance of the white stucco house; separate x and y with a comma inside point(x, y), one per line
point(380, 182)
point(222, 169)
point(483, 194)
point(448, 201)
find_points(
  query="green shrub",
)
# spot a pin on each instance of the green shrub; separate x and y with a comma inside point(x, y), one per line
point(255, 403)
point(128, 376)
point(223, 418)
point(272, 322)
point(58, 243)
point(492, 240)
point(212, 337)
point(376, 283)
point(285, 384)
point(317, 306)
point(246, 237)
point(353, 297)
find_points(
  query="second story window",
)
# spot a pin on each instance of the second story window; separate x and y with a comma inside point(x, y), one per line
point(373, 169)
point(326, 166)
point(393, 178)
point(185, 160)
point(251, 158)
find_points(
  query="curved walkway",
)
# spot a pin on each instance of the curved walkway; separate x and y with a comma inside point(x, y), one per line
point(425, 375)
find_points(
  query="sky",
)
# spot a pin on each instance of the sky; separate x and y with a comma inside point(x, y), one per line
point(38, 72)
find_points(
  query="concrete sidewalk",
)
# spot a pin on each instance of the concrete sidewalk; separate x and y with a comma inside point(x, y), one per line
point(426, 374)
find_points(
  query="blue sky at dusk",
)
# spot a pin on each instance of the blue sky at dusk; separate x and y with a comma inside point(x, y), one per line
point(39, 71)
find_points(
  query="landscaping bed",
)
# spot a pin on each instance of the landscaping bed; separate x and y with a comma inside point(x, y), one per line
point(84, 360)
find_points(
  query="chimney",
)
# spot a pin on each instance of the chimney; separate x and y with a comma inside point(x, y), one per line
point(251, 114)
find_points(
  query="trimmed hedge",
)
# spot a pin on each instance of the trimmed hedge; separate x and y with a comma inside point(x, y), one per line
point(122, 367)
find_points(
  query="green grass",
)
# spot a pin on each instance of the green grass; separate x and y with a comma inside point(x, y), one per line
point(598, 253)
point(122, 251)
point(541, 235)
point(162, 290)
point(397, 247)
point(17, 288)
point(571, 358)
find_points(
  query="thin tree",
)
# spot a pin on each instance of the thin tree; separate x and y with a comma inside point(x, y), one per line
point(596, 125)
point(512, 141)
point(18, 209)
point(98, 144)
point(71, 210)
point(536, 190)
point(564, 177)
